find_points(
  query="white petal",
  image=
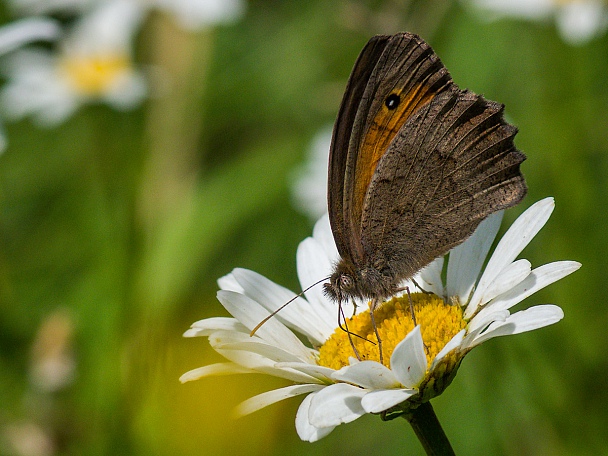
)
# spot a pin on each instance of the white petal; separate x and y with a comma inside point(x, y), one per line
point(229, 282)
point(314, 266)
point(321, 373)
point(379, 401)
point(429, 277)
point(250, 313)
point(220, 340)
point(260, 401)
point(538, 279)
point(210, 325)
point(512, 243)
point(214, 369)
point(323, 235)
point(510, 276)
point(408, 361)
point(523, 321)
point(467, 259)
point(336, 404)
point(451, 345)
point(367, 374)
point(307, 431)
point(476, 327)
point(298, 314)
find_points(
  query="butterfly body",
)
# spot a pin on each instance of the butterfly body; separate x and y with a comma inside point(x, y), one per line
point(415, 165)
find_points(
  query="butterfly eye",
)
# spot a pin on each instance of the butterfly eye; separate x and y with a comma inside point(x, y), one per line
point(346, 282)
point(392, 101)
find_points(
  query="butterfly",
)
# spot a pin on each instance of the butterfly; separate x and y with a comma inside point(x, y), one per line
point(415, 165)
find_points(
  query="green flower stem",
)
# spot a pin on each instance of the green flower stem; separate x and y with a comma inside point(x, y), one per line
point(429, 431)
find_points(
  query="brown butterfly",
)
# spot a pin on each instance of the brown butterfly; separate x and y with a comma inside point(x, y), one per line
point(415, 165)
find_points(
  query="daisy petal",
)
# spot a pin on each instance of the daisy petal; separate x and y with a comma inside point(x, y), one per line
point(474, 330)
point(336, 404)
point(381, 400)
point(538, 279)
point(322, 373)
point(229, 282)
point(214, 369)
point(297, 314)
point(260, 401)
point(512, 243)
point(323, 235)
point(467, 259)
point(222, 341)
point(429, 277)
point(210, 325)
point(305, 430)
point(255, 361)
point(513, 274)
point(367, 374)
point(523, 321)
point(451, 345)
point(250, 313)
point(408, 361)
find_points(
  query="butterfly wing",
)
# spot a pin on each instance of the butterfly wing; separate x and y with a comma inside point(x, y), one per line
point(393, 77)
point(451, 165)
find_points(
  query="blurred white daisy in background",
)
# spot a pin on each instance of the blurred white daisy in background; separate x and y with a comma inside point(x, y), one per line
point(190, 14)
point(309, 191)
point(198, 14)
point(578, 21)
point(19, 33)
point(419, 362)
point(93, 64)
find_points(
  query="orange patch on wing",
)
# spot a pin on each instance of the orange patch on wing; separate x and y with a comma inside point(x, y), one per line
point(378, 137)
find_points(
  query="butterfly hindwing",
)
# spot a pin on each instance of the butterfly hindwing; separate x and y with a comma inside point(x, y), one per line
point(451, 165)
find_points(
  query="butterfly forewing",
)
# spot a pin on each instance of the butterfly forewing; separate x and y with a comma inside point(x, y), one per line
point(405, 75)
point(341, 137)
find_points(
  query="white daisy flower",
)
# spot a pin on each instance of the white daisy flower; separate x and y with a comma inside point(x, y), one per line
point(578, 21)
point(420, 362)
point(94, 64)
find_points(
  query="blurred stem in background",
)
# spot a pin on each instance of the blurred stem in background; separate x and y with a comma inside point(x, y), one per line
point(175, 118)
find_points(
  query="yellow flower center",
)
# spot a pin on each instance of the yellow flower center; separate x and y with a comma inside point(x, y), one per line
point(438, 321)
point(94, 75)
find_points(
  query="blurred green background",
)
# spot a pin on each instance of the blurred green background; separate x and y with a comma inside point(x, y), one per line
point(115, 226)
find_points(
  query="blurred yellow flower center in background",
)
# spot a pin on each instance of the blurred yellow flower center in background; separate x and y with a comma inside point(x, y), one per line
point(94, 75)
point(438, 321)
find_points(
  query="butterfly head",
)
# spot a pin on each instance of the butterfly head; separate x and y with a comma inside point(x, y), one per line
point(342, 284)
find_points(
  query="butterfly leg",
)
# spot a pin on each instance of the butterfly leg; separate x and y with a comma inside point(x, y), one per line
point(371, 313)
point(420, 288)
point(407, 290)
point(341, 319)
point(426, 349)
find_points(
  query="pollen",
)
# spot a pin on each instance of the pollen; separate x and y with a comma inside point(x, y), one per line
point(439, 322)
point(94, 75)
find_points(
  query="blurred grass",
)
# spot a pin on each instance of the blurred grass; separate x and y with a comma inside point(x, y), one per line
point(128, 219)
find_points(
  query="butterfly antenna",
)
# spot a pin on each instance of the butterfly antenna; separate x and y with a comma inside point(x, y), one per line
point(273, 313)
